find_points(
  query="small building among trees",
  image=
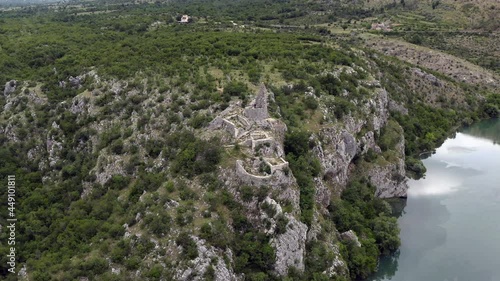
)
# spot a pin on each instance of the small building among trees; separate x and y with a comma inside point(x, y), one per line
point(184, 19)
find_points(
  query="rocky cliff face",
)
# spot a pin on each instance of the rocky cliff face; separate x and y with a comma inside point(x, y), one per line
point(260, 139)
point(338, 144)
point(208, 256)
point(390, 179)
point(258, 162)
point(290, 246)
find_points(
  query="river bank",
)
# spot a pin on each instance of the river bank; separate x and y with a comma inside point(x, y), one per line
point(449, 230)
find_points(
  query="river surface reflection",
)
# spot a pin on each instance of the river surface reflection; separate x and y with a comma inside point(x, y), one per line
point(450, 227)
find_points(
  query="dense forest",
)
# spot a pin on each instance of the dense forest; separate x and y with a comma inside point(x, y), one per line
point(107, 121)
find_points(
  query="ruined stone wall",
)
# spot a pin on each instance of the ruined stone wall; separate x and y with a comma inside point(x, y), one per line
point(249, 178)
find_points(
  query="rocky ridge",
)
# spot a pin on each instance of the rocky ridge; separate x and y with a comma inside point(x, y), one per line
point(338, 144)
point(260, 139)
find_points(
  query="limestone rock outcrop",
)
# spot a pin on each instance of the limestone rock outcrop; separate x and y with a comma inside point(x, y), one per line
point(351, 236)
point(390, 179)
point(10, 87)
point(261, 137)
point(198, 266)
point(290, 247)
point(339, 144)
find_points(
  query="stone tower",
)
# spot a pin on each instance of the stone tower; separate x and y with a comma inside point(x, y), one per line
point(257, 110)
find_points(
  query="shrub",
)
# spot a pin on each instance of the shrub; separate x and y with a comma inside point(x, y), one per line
point(170, 187)
point(330, 84)
point(117, 147)
point(305, 166)
point(216, 233)
point(189, 249)
point(199, 120)
point(246, 193)
point(370, 155)
point(342, 107)
point(360, 211)
point(133, 263)
point(415, 39)
point(153, 147)
point(158, 224)
point(362, 261)
point(94, 266)
point(253, 253)
point(235, 88)
point(491, 110)
point(318, 257)
point(196, 156)
point(281, 223)
point(386, 232)
point(264, 168)
point(155, 272)
point(120, 251)
point(269, 209)
point(310, 102)
point(415, 167)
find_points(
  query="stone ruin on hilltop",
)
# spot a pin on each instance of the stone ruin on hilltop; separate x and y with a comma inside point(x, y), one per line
point(258, 135)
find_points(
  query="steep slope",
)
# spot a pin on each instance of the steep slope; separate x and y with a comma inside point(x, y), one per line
point(200, 152)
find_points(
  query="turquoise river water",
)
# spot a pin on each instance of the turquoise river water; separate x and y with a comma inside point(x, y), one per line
point(450, 226)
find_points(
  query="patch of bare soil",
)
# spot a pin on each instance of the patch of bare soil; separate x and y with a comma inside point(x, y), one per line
point(453, 67)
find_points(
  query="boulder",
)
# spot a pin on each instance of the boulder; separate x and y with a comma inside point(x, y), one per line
point(75, 81)
point(350, 236)
point(10, 87)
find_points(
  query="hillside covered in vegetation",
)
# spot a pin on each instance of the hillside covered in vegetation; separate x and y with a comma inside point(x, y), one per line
point(257, 141)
